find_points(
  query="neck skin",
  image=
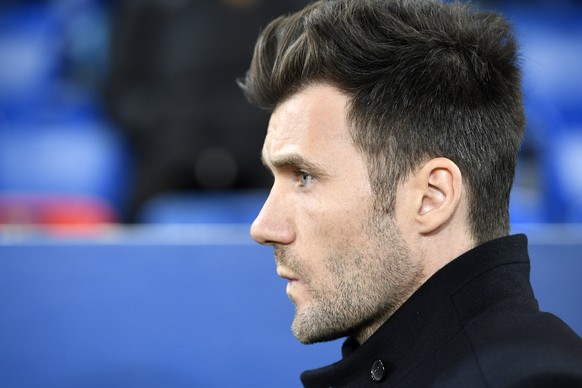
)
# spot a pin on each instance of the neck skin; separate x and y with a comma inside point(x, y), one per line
point(443, 246)
point(432, 249)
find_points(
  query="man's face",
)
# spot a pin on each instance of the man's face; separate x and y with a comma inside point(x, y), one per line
point(347, 264)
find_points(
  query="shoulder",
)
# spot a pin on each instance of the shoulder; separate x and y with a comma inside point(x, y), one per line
point(526, 350)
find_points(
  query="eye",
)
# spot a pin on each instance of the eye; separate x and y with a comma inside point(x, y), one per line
point(304, 178)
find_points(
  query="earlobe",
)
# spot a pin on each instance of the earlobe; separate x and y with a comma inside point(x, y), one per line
point(440, 183)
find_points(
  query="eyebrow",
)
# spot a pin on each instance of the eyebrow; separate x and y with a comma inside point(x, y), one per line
point(296, 161)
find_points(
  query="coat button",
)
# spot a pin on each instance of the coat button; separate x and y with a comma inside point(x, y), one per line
point(378, 370)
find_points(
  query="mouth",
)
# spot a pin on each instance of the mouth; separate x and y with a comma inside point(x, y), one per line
point(291, 290)
point(292, 280)
point(286, 275)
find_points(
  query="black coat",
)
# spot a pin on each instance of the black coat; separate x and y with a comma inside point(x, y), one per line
point(475, 323)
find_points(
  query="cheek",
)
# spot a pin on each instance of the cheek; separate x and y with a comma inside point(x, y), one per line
point(332, 244)
point(326, 226)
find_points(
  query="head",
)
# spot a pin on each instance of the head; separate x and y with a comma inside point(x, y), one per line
point(428, 96)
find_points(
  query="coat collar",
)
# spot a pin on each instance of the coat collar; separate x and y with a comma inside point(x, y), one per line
point(434, 313)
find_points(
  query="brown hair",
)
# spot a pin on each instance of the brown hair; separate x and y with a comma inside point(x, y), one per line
point(424, 79)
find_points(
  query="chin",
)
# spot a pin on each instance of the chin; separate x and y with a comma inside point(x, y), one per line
point(310, 330)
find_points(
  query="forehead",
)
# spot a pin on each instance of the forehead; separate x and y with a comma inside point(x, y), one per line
point(309, 120)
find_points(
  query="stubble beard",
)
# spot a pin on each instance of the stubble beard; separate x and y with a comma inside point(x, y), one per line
point(368, 284)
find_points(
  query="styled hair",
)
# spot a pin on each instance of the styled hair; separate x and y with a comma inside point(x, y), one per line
point(423, 78)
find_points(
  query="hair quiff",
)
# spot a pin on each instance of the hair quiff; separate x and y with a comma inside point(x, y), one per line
point(424, 79)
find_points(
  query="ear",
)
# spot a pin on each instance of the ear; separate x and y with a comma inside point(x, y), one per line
point(440, 184)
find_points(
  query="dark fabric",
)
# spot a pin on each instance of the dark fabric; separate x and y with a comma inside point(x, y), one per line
point(475, 323)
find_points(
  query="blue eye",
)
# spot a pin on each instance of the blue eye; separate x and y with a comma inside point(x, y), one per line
point(304, 178)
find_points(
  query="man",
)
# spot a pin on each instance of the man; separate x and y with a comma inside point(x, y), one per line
point(393, 141)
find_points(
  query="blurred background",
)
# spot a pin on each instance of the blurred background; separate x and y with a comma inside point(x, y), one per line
point(117, 111)
point(130, 172)
point(109, 111)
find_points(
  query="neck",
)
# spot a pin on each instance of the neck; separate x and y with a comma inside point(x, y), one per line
point(434, 253)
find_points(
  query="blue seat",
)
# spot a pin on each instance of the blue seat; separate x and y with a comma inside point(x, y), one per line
point(204, 207)
point(55, 144)
point(68, 158)
point(30, 47)
point(551, 58)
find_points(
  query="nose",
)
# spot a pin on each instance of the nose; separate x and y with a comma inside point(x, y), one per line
point(274, 223)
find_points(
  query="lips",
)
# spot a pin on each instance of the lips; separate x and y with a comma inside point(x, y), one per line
point(292, 279)
point(285, 269)
point(287, 275)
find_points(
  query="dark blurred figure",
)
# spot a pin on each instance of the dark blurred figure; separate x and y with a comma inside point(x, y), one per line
point(172, 88)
